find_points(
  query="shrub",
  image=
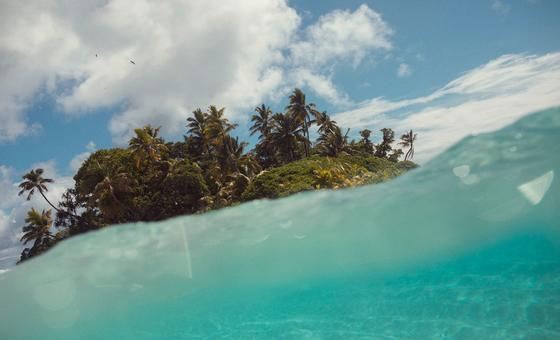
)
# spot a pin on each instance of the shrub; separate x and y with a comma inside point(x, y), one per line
point(322, 172)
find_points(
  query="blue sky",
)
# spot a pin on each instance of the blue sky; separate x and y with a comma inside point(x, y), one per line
point(438, 40)
point(444, 68)
point(450, 36)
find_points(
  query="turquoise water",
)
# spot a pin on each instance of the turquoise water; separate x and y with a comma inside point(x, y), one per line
point(466, 247)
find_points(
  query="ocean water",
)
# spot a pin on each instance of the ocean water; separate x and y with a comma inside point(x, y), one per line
point(465, 247)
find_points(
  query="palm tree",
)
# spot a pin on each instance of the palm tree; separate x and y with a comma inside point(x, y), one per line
point(197, 126)
point(235, 172)
point(34, 180)
point(383, 149)
point(146, 145)
point(366, 144)
point(333, 143)
point(218, 125)
point(109, 195)
point(324, 122)
point(394, 156)
point(37, 228)
point(286, 135)
point(67, 217)
point(262, 121)
point(407, 141)
point(301, 111)
point(232, 158)
point(219, 128)
point(229, 154)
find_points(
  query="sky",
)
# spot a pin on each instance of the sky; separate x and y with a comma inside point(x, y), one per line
point(446, 69)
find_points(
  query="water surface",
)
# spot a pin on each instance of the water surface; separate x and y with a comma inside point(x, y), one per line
point(465, 247)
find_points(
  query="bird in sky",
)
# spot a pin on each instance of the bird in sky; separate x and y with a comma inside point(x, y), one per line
point(132, 62)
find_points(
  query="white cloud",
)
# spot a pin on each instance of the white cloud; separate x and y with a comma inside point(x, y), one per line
point(338, 36)
point(8, 234)
point(187, 53)
point(322, 86)
point(91, 146)
point(404, 70)
point(79, 159)
point(7, 187)
point(9, 241)
point(500, 7)
point(481, 100)
point(341, 35)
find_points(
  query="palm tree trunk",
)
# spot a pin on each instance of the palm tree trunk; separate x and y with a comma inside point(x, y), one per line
point(291, 153)
point(37, 242)
point(230, 152)
point(55, 208)
point(49, 202)
point(408, 153)
point(306, 133)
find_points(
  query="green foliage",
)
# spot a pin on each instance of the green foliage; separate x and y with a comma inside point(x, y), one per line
point(265, 149)
point(37, 230)
point(179, 193)
point(112, 197)
point(384, 148)
point(101, 164)
point(365, 145)
point(301, 111)
point(177, 150)
point(407, 165)
point(283, 181)
point(287, 135)
point(110, 182)
point(34, 180)
point(320, 172)
point(333, 143)
point(395, 155)
point(146, 146)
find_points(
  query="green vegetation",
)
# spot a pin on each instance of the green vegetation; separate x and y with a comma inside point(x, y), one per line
point(319, 173)
point(153, 180)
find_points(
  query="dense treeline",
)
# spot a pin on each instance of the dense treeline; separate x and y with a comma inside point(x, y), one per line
point(153, 179)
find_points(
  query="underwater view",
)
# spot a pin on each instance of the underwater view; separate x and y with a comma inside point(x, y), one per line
point(465, 247)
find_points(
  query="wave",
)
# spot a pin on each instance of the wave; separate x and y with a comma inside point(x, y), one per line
point(179, 275)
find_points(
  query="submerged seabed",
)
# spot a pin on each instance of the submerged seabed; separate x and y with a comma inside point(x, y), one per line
point(465, 247)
